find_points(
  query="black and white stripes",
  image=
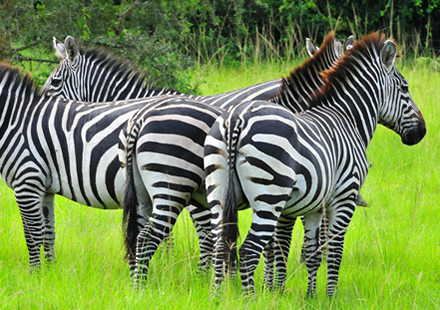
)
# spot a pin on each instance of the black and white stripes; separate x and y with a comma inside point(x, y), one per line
point(97, 76)
point(139, 135)
point(289, 165)
point(53, 146)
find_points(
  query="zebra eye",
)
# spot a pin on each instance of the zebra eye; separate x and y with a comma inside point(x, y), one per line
point(56, 82)
point(404, 89)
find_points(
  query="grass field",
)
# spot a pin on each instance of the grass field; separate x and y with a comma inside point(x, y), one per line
point(392, 249)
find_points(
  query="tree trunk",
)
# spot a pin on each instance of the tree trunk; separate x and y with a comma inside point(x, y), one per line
point(5, 32)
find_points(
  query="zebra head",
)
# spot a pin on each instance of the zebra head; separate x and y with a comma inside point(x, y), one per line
point(64, 81)
point(398, 111)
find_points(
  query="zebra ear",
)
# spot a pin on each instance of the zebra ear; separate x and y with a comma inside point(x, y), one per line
point(71, 48)
point(337, 48)
point(388, 55)
point(60, 50)
point(311, 48)
point(348, 44)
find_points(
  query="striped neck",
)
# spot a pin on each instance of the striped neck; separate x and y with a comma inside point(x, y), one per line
point(356, 88)
point(97, 76)
point(296, 90)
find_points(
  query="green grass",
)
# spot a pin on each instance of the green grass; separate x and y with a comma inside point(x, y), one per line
point(392, 249)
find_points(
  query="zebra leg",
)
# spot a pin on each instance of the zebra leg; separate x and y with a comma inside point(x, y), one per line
point(49, 228)
point(31, 211)
point(143, 214)
point(339, 219)
point(322, 237)
point(256, 240)
point(312, 250)
point(269, 263)
point(219, 252)
point(283, 237)
point(201, 218)
point(302, 258)
point(159, 227)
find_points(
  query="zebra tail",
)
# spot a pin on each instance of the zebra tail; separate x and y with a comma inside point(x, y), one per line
point(230, 231)
point(130, 201)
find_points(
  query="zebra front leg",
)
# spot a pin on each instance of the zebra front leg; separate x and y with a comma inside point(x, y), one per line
point(159, 227)
point(31, 211)
point(49, 228)
point(312, 250)
point(339, 219)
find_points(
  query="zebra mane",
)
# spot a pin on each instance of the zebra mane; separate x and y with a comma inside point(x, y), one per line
point(12, 79)
point(363, 50)
point(121, 68)
point(302, 75)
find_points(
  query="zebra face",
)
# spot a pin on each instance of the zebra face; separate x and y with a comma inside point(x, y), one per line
point(399, 111)
point(401, 114)
point(63, 83)
point(64, 80)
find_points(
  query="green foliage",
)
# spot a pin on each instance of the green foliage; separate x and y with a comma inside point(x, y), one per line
point(139, 38)
point(168, 37)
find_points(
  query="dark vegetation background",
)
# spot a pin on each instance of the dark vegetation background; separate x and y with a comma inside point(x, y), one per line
point(169, 37)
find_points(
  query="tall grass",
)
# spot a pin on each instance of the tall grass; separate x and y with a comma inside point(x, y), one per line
point(392, 249)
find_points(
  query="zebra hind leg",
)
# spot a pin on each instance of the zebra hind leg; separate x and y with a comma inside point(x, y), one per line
point(159, 227)
point(269, 260)
point(144, 210)
point(219, 252)
point(283, 237)
point(201, 218)
point(312, 250)
point(253, 246)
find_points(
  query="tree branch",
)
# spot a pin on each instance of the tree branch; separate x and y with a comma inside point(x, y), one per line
point(19, 57)
point(123, 16)
point(25, 47)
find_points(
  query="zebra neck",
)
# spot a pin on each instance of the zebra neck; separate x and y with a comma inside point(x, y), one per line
point(359, 111)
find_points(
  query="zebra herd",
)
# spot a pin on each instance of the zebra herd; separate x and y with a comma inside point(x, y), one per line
point(99, 134)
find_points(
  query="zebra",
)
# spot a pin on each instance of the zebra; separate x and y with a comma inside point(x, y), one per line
point(135, 150)
point(162, 159)
point(51, 146)
point(95, 75)
point(287, 165)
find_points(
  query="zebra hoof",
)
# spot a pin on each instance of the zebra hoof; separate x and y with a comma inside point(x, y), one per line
point(311, 294)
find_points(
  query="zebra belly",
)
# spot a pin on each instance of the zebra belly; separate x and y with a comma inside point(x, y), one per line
point(98, 184)
point(101, 199)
